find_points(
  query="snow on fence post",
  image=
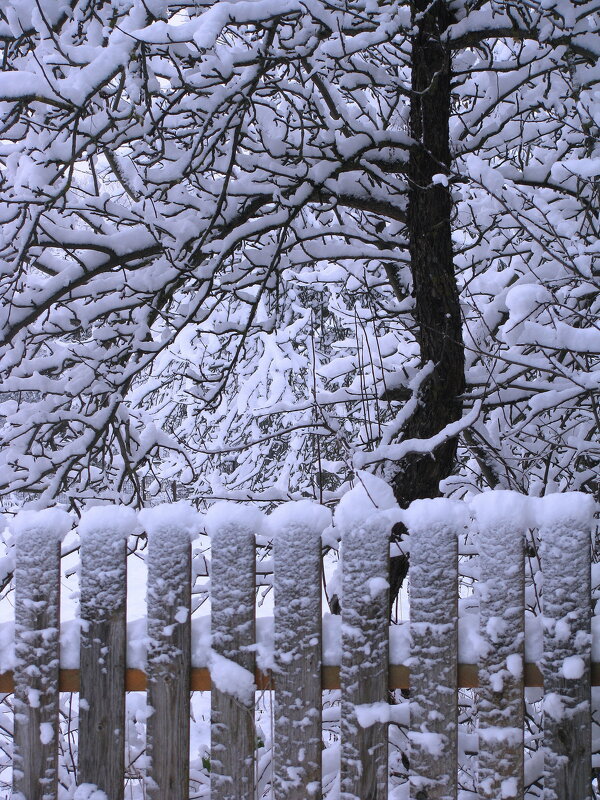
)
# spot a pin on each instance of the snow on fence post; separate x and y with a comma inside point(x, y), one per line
point(103, 532)
point(434, 526)
point(502, 518)
point(565, 523)
point(297, 557)
point(170, 528)
point(232, 529)
point(38, 535)
point(365, 529)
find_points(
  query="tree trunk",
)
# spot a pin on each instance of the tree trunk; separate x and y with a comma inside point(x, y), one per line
point(437, 308)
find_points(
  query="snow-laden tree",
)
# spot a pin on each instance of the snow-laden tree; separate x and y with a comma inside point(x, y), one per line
point(247, 248)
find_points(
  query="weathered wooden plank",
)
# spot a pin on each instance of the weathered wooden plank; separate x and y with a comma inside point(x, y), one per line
point(232, 578)
point(434, 526)
point(502, 519)
point(297, 558)
point(169, 529)
point(37, 607)
point(103, 604)
point(365, 648)
point(565, 549)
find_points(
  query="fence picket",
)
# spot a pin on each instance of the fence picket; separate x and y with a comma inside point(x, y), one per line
point(233, 565)
point(502, 521)
point(434, 529)
point(103, 584)
point(169, 651)
point(566, 546)
point(365, 647)
point(37, 604)
point(297, 559)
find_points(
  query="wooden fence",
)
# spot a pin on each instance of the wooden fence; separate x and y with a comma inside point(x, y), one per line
point(364, 675)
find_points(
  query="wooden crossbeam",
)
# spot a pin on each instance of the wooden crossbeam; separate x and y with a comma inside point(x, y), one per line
point(399, 678)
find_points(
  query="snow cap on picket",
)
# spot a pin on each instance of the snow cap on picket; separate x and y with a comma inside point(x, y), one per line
point(108, 522)
point(569, 509)
point(171, 519)
point(300, 514)
point(89, 791)
point(434, 513)
point(369, 497)
point(500, 508)
point(227, 515)
point(48, 523)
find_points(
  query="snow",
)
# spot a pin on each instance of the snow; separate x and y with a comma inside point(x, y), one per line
point(501, 734)
point(50, 523)
point(232, 516)
point(509, 788)
point(554, 705)
point(302, 514)
point(178, 519)
point(33, 698)
point(514, 663)
point(46, 732)
point(230, 677)
point(369, 495)
point(574, 509)
point(396, 452)
point(377, 586)
point(502, 508)
point(87, 791)
point(432, 743)
point(101, 522)
point(584, 167)
point(368, 714)
point(424, 514)
point(573, 667)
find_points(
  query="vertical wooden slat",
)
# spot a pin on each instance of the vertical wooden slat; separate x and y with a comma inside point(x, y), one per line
point(297, 559)
point(169, 529)
point(232, 579)
point(502, 519)
point(566, 546)
point(103, 531)
point(434, 526)
point(37, 607)
point(365, 649)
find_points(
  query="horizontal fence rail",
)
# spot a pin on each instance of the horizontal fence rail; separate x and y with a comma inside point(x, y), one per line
point(433, 674)
point(136, 680)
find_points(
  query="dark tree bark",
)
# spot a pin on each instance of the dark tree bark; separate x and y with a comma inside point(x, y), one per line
point(437, 308)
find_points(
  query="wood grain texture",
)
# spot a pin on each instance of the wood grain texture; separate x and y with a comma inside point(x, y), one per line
point(169, 662)
point(298, 741)
point(433, 732)
point(566, 568)
point(233, 581)
point(37, 604)
point(364, 669)
point(102, 665)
